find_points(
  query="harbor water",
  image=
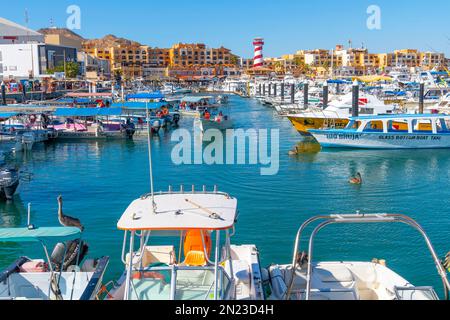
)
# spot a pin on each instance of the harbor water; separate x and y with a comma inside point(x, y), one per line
point(98, 180)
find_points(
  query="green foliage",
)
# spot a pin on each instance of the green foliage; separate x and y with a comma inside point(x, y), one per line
point(72, 69)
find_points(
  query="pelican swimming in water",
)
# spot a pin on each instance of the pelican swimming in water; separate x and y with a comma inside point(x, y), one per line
point(357, 179)
point(67, 221)
point(446, 262)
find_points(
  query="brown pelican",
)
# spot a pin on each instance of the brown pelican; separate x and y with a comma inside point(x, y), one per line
point(67, 221)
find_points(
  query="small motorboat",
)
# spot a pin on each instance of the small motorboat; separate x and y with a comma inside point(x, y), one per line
point(9, 182)
point(64, 274)
point(203, 267)
point(219, 122)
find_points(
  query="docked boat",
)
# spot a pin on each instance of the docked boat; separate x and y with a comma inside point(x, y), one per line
point(338, 113)
point(9, 182)
point(64, 274)
point(205, 265)
point(308, 279)
point(85, 124)
point(406, 131)
point(207, 121)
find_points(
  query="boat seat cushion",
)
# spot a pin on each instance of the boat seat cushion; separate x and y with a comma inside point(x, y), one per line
point(331, 274)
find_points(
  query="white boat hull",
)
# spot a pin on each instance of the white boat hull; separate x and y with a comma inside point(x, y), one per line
point(205, 125)
point(340, 139)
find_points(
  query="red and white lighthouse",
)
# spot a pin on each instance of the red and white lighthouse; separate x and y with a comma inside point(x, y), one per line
point(258, 60)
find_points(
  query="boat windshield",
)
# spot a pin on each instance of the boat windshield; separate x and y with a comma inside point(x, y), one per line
point(191, 283)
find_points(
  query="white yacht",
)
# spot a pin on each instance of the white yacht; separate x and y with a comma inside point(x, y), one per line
point(308, 279)
point(61, 275)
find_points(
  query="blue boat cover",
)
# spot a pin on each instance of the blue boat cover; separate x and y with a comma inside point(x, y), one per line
point(139, 105)
point(37, 235)
point(4, 115)
point(195, 99)
point(338, 81)
point(145, 96)
point(87, 112)
point(75, 100)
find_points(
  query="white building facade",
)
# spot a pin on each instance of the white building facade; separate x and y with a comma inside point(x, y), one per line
point(33, 60)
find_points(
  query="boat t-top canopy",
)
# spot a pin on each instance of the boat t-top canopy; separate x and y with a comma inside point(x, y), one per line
point(8, 235)
point(129, 105)
point(87, 112)
point(195, 99)
point(181, 212)
point(7, 115)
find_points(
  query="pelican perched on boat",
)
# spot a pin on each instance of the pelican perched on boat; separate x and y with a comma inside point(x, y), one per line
point(67, 221)
point(357, 179)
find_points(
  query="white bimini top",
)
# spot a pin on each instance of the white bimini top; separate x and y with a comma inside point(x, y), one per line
point(200, 211)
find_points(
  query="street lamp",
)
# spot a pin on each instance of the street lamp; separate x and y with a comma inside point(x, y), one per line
point(64, 56)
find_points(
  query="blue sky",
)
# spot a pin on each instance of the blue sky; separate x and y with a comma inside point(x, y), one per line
point(286, 25)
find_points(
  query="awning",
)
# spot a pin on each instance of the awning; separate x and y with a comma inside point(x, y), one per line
point(337, 81)
point(37, 235)
point(87, 112)
point(139, 105)
point(181, 212)
point(75, 100)
point(193, 99)
point(145, 96)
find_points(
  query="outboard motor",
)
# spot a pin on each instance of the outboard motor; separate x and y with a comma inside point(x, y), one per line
point(9, 182)
point(130, 130)
point(176, 119)
point(71, 252)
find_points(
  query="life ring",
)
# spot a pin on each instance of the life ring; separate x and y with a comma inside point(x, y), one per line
point(148, 275)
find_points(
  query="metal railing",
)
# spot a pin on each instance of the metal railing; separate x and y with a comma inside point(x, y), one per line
point(174, 269)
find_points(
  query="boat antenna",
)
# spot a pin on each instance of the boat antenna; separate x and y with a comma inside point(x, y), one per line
point(150, 161)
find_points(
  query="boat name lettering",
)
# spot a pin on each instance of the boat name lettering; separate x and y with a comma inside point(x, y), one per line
point(409, 137)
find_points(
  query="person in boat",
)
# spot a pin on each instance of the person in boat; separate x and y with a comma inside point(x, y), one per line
point(357, 179)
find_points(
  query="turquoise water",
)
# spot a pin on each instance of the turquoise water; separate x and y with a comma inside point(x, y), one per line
point(99, 180)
